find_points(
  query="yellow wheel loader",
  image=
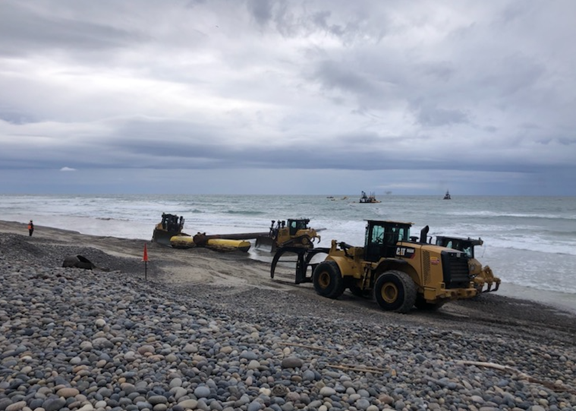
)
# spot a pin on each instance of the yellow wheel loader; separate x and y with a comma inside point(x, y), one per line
point(400, 271)
point(482, 275)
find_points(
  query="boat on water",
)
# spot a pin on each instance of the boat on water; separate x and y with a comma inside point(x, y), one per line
point(368, 199)
point(447, 196)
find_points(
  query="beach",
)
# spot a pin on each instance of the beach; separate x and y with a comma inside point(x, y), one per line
point(201, 329)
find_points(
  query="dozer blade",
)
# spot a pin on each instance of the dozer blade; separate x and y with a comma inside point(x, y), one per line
point(163, 236)
point(265, 244)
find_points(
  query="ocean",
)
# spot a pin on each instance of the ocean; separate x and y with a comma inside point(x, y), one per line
point(529, 242)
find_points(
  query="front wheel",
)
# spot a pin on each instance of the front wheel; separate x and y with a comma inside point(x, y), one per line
point(328, 281)
point(395, 291)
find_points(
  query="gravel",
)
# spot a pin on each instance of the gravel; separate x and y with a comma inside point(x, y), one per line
point(105, 339)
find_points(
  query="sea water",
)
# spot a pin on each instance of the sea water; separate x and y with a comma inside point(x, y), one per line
point(529, 242)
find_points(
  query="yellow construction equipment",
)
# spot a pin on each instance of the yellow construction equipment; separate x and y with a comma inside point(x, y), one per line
point(291, 237)
point(399, 270)
point(290, 233)
point(170, 226)
point(484, 279)
point(169, 232)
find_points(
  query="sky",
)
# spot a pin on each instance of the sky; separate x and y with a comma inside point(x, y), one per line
point(288, 97)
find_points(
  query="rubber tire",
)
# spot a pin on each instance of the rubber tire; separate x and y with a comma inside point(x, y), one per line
point(328, 281)
point(422, 304)
point(357, 291)
point(395, 291)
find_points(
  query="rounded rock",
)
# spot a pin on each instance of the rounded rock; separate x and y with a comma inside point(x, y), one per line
point(327, 391)
point(202, 392)
point(188, 404)
point(292, 362)
point(157, 399)
point(17, 406)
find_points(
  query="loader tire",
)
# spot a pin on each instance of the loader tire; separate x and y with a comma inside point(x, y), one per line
point(424, 305)
point(395, 291)
point(328, 281)
point(357, 291)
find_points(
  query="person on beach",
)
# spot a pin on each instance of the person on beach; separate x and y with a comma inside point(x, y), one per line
point(30, 228)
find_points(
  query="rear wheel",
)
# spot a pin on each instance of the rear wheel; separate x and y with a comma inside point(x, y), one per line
point(395, 291)
point(328, 281)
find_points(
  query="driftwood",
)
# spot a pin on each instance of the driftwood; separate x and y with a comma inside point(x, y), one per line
point(521, 375)
point(506, 368)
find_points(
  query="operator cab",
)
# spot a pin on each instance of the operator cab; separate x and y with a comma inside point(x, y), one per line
point(295, 225)
point(459, 243)
point(382, 237)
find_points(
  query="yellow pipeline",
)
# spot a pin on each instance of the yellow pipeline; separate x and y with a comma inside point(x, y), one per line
point(225, 245)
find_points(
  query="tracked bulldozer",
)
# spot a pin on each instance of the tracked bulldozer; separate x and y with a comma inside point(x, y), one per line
point(288, 233)
point(170, 226)
point(292, 237)
point(400, 271)
point(484, 279)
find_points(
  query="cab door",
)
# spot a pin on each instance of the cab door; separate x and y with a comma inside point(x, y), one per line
point(381, 242)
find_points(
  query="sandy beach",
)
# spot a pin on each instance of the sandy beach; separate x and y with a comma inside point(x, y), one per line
point(230, 274)
point(215, 292)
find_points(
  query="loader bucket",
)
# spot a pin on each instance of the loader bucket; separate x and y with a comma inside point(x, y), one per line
point(488, 279)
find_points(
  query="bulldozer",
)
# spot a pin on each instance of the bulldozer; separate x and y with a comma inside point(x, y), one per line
point(291, 237)
point(170, 226)
point(483, 276)
point(401, 271)
point(290, 233)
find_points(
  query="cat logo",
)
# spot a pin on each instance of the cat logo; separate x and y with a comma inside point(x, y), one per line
point(434, 260)
point(406, 252)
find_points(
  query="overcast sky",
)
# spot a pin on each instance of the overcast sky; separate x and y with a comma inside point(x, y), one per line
point(288, 97)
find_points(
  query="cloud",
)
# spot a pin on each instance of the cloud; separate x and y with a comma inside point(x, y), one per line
point(387, 93)
point(67, 169)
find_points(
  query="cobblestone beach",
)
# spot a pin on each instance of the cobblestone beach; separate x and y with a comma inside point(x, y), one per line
point(108, 339)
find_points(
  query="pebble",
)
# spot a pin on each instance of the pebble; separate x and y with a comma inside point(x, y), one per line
point(84, 340)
